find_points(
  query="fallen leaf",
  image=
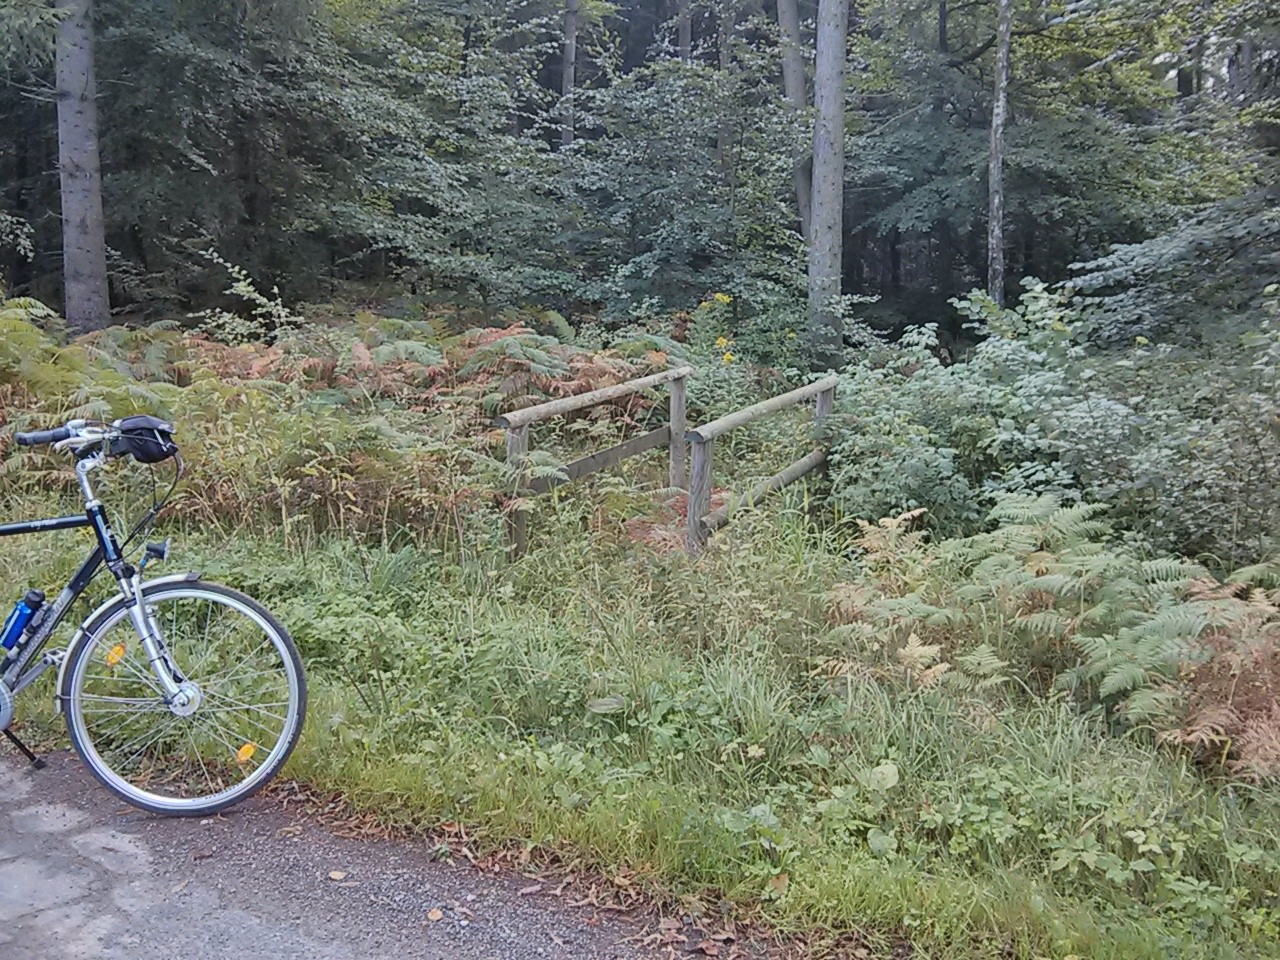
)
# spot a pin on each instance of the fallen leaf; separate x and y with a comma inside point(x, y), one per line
point(182, 886)
point(779, 882)
point(708, 948)
point(435, 915)
point(531, 890)
point(337, 875)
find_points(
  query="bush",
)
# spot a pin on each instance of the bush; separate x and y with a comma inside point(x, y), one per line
point(1183, 448)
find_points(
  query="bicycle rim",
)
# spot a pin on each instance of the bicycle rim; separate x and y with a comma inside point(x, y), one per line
point(250, 703)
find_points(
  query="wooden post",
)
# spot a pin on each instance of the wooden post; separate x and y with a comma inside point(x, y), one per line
point(517, 521)
point(826, 404)
point(699, 495)
point(676, 477)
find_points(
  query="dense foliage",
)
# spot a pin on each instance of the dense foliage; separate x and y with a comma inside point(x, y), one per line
point(319, 142)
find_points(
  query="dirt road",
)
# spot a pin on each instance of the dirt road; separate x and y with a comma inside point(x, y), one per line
point(83, 876)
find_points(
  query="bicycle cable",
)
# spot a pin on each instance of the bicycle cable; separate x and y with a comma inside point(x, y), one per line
point(149, 518)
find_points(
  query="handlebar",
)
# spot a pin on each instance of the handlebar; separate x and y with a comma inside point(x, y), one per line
point(37, 437)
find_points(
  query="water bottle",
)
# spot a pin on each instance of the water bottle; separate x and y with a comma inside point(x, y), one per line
point(19, 619)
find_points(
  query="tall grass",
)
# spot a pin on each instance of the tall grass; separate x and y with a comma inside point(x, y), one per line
point(682, 719)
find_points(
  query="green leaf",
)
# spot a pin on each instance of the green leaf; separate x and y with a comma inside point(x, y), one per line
point(880, 779)
point(610, 704)
point(882, 844)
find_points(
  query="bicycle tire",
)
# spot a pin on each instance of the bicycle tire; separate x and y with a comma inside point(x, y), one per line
point(81, 656)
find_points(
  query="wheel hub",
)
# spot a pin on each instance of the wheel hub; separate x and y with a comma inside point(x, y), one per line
point(187, 700)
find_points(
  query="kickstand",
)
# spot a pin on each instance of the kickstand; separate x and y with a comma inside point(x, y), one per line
point(24, 750)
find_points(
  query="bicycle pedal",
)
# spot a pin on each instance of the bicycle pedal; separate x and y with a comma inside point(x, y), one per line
point(24, 750)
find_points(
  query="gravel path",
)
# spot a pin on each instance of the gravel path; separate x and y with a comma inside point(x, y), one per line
point(82, 876)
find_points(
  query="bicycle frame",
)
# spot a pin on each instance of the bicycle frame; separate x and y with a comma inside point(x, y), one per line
point(21, 674)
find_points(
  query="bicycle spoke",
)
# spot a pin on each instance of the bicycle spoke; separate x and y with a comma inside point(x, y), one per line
point(234, 704)
point(196, 751)
point(149, 746)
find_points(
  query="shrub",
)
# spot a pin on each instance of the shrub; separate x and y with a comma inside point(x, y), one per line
point(1183, 447)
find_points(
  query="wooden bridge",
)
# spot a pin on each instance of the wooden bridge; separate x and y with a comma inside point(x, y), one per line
point(680, 441)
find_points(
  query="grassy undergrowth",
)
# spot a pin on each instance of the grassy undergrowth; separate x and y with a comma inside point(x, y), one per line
point(830, 725)
point(711, 727)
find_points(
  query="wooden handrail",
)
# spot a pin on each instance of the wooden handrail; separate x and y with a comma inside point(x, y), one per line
point(709, 431)
point(555, 408)
point(517, 424)
point(702, 521)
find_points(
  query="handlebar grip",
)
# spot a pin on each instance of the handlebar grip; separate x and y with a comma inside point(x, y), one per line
point(42, 436)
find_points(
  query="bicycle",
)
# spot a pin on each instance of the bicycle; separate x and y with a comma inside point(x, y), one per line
point(182, 697)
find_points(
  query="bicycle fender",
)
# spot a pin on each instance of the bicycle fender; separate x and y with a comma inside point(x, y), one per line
point(116, 601)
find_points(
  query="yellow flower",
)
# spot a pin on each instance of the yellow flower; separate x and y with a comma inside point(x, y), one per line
point(791, 334)
point(728, 357)
point(721, 343)
point(722, 298)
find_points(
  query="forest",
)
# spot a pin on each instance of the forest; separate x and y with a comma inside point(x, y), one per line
point(1001, 680)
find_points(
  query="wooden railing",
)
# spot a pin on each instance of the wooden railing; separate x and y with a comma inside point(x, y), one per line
point(702, 520)
point(517, 425)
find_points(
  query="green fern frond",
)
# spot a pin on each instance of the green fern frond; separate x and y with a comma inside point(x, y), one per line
point(1122, 679)
point(1266, 574)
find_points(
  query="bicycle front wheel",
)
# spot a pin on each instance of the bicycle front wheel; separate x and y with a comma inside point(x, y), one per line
point(238, 719)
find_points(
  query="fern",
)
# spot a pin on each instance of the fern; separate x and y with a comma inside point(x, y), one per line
point(1122, 678)
point(983, 666)
point(1266, 574)
point(410, 350)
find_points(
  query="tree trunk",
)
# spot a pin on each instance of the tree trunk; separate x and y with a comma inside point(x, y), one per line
point(684, 32)
point(728, 20)
point(944, 44)
point(995, 170)
point(569, 64)
point(795, 88)
point(84, 248)
point(826, 338)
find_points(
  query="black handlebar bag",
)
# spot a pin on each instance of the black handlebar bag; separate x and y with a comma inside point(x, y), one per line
point(146, 439)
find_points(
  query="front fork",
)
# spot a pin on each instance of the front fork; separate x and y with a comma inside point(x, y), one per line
point(162, 665)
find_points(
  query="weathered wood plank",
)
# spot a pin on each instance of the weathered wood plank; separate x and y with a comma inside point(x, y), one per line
point(676, 476)
point(714, 521)
point(699, 495)
point(517, 520)
point(603, 458)
point(825, 405)
point(555, 408)
point(709, 431)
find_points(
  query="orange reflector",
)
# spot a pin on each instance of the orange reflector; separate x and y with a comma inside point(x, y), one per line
point(245, 753)
point(115, 654)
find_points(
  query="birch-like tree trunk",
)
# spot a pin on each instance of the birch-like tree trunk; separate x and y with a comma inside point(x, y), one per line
point(684, 31)
point(796, 90)
point(827, 212)
point(84, 249)
point(995, 167)
point(569, 70)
